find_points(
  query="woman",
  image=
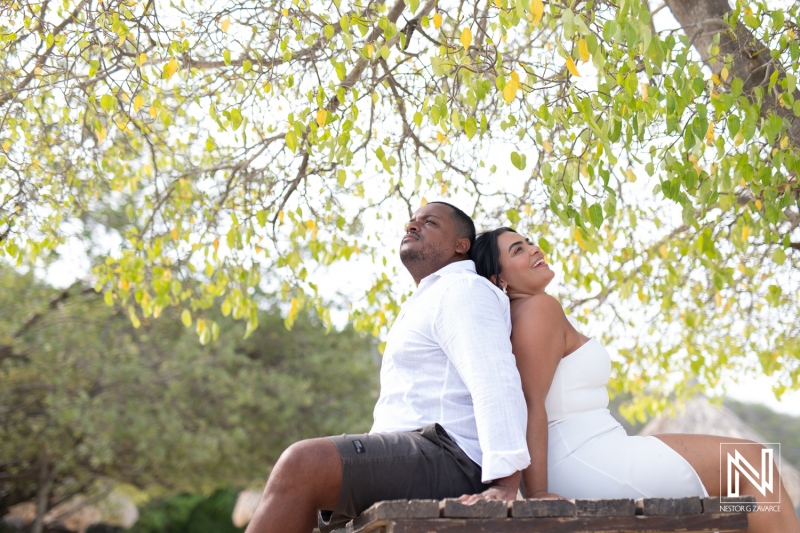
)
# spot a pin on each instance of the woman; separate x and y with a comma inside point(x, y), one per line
point(577, 448)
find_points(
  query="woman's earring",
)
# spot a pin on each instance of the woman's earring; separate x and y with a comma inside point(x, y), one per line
point(504, 289)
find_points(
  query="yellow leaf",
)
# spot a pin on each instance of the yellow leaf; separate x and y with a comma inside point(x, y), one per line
point(142, 58)
point(170, 68)
point(510, 91)
point(444, 188)
point(645, 93)
point(745, 232)
point(738, 139)
point(547, 146)
point(215, 244)
point(497, 4)
point(710, 133)
point(663, 251)
point(724, 73)
point(515, 77)
point(579, 238)
point(572, 68)
point(281, 214)
point(466, 37)
point(137, 103)
point(322, 116)
point(537, 9)
point(630, 175)
point(741, 268)
point(101, 134)
point(437, 21)
point(225, 24)
point(174, 234)
point(759, 205)
point(294, 308)
point(6, 145)
point(370, 50)
point(718, 299)
point(423, 201)
point(440, 137)
point(784, 143)
point(715, 79)
point(285, 12)
point(121, 40)
point(583, 50)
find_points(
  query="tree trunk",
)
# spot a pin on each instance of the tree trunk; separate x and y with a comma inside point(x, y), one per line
point(701, 20)
point(46, 476)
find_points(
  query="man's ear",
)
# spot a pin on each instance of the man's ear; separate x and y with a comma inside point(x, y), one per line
point(462, 246)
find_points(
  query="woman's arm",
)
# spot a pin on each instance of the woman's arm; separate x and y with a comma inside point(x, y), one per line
point(538, 340)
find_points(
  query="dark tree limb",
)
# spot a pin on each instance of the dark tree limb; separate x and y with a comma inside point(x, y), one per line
point(701, 21)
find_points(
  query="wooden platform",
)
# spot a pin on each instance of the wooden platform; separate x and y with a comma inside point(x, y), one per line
point(554, 516)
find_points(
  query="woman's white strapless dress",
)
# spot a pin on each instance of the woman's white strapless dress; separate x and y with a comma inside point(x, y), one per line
point(589, 453)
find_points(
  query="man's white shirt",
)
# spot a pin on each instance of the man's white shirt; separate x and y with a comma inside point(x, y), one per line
point(448, 360)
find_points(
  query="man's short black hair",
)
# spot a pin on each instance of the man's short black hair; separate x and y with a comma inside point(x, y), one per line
point(464, 224)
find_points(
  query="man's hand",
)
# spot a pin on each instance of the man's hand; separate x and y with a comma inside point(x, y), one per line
point(504, 489)
point(544, 495)
point(492, 493)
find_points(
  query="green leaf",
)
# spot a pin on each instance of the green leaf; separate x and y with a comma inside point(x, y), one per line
point(596, 215)
point(518, 160)
point(186, 318)
point(236, 118)
point(107, 102)
point(226, 56)
point(246, 66)
point(291, 141)
point(779, 256)
point(471, 127)
point(752, 21)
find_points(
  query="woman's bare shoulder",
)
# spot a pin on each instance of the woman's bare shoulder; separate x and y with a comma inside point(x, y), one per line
point(539, 307)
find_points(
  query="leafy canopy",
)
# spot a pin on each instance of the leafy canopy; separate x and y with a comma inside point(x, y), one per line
point(240, 143)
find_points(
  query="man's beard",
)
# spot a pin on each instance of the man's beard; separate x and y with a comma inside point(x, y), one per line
point(419, 256)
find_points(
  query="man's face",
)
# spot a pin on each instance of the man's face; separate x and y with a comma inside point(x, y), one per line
point(430, 236)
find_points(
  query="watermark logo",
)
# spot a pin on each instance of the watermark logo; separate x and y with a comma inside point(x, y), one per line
point(735, 461)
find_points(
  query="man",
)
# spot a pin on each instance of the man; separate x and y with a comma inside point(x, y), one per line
point(450, 400)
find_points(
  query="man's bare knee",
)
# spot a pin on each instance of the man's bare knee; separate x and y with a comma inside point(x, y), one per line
point(306, 463)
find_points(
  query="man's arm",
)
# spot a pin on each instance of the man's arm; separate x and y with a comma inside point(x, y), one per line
point(473, 328)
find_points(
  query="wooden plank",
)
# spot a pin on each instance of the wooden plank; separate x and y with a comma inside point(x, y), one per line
point(540, 508)
point(705, 523)
point(669, 506)
point(612, 507)
point(453, 508)
point(733, 504)
point(379, 513)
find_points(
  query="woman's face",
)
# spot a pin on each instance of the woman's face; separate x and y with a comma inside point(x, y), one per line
point(523, 268)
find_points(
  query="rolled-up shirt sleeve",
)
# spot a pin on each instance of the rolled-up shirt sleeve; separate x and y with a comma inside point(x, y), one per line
point(474, 329)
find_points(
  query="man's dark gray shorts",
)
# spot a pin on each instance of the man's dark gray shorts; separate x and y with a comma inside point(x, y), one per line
point(420, 464)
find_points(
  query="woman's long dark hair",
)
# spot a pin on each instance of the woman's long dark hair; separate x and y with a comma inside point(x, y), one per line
point(486, 254)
